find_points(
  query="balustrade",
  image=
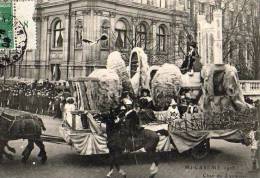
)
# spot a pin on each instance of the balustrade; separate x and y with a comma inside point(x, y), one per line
point(250, 87)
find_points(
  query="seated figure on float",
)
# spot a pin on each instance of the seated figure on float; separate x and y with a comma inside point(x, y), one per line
point(174, 115)
point(146, 114)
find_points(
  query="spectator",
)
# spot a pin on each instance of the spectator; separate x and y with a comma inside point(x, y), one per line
point(254, 147)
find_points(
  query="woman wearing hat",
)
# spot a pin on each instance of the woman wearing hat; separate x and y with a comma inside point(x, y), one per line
point(145, 100)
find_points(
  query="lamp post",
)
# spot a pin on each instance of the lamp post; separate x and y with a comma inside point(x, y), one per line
point(103, 37)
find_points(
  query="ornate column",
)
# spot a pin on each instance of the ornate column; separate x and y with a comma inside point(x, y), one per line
point(134, 25)
point(37, 19)
point(154, 48)
point(85, 48)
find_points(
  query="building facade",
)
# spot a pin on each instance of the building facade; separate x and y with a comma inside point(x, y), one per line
point(154, 25)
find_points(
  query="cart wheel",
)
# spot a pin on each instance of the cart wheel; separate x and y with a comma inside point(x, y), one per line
point(201, 151)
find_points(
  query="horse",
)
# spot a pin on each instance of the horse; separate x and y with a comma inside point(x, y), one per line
point(123, 134)
point(21, 127)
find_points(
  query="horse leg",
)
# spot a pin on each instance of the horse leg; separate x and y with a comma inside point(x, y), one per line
point(2, 146)
point(10, 148)
point(150, 141)
point(111, 170)
point(42, 152)
point(7, 155)
point(154, 167)
point(117, 157)
point(114, 162)
point(27, 151)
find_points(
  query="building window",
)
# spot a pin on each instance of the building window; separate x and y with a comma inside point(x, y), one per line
point(105, 30)
point(201, 8)
point(161, 3)
point(211, 10)
point(188, 4)
point(55, 72)
point(161, 39)
point(58, 34)
point(121, 34)
point(78, 33)
point(141, 36)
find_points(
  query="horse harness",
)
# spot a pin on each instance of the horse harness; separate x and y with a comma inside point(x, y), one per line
point(14, 119)
point(10, 120)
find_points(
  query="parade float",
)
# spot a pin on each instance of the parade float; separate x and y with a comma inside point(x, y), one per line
point(223, 111)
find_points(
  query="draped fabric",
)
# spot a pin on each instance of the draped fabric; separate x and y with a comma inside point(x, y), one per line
point(187, 140)
point(88, 142)
point(85, 142)
point(94, 140)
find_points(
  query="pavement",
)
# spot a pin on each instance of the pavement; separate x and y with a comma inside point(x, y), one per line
point(226, 160)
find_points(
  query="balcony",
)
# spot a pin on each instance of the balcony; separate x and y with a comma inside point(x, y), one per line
point(250, 87)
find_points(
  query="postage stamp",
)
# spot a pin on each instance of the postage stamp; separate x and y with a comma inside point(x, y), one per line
point(6, 25)
point(13, 13)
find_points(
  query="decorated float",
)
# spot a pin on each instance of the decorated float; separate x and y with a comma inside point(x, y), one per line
point(223, 113)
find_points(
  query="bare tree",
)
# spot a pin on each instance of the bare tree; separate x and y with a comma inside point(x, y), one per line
point(240, 35)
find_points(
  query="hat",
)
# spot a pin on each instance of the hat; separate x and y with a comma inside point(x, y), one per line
point(173, 102)
point(193, 44)
point(70, 100)
point(127, 101)
point(145, 91)
point(122, 108)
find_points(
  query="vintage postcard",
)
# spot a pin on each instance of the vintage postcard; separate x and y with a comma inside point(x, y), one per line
point(129, 88)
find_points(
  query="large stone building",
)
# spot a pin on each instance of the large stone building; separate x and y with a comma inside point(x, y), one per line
point(154, 25)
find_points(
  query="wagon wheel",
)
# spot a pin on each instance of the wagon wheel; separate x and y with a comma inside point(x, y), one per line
point(201, 151)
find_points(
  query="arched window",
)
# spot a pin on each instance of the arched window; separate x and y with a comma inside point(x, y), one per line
point(105, 30)
point(141, 36)
point(121, 34)
point(78, 33)
point(58, 34)
point(161, 39)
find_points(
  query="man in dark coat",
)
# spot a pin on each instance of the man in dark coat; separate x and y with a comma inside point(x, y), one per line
point(115, 139)
point(187, 65)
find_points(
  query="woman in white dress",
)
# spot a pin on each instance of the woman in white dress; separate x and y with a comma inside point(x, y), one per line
point(68, 108)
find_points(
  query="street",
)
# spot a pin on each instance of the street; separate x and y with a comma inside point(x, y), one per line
point(227, 160)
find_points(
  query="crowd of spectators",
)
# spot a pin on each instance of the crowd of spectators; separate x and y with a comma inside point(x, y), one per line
point(36, 97)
